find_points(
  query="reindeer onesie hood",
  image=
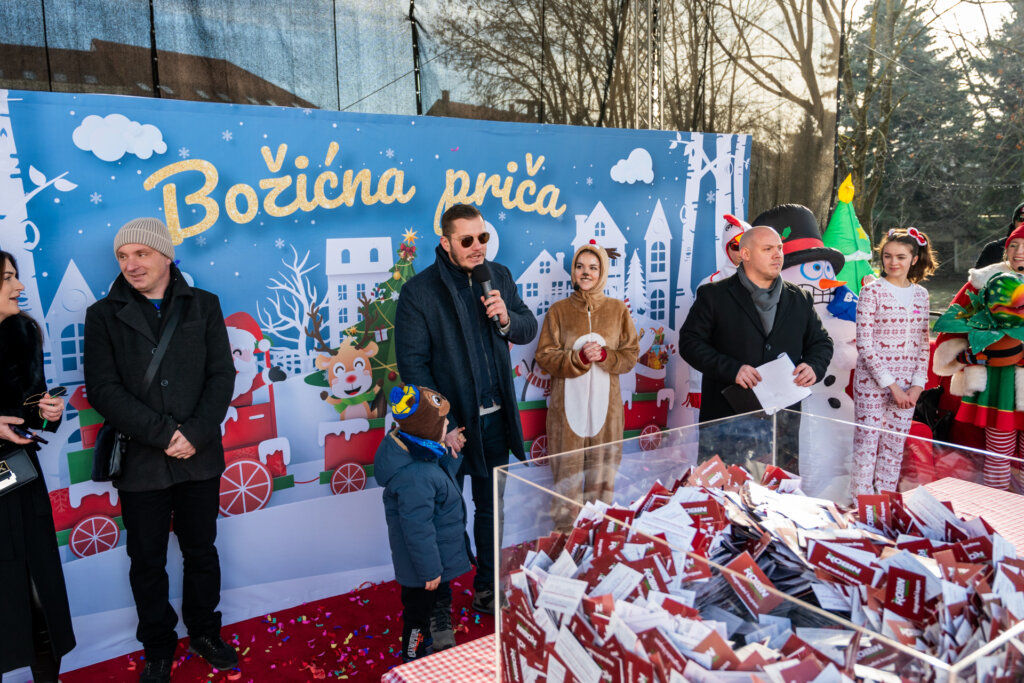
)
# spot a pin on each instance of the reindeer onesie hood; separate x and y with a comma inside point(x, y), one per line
point(585, 407)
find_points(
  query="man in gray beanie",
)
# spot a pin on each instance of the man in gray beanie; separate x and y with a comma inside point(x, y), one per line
point(174, 456)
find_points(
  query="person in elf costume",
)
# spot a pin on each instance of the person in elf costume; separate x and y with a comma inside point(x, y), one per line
point(587, 341)
point(979, 346)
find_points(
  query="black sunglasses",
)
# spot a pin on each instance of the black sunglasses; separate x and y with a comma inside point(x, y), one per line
point(467, 241)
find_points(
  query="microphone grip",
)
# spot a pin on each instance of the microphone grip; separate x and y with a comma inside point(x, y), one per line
point(486, 285)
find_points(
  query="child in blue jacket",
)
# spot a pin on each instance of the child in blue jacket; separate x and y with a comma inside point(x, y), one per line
point(426, 516)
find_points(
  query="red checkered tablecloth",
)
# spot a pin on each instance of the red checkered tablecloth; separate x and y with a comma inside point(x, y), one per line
point(471, 662)
point(1001, 509)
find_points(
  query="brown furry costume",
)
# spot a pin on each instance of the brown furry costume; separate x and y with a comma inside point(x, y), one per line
point(585, 408)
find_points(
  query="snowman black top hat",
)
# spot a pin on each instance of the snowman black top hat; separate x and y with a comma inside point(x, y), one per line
point(801, 236)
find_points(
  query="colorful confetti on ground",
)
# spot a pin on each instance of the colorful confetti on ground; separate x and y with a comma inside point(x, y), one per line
point(352, 637)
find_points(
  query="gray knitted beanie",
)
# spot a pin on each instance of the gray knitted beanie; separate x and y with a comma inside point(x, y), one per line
point(149, 231)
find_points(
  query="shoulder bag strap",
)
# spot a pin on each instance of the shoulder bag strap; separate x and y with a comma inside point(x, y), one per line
point(165, 340)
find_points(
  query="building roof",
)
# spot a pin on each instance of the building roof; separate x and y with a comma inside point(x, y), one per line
point(121, 69)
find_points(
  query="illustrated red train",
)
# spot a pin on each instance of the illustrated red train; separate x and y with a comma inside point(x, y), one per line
point(87, 514)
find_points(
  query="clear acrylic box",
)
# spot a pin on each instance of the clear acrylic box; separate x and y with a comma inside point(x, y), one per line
point(530, 508)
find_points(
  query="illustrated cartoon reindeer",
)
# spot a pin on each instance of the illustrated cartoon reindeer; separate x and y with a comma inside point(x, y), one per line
point(353, 392)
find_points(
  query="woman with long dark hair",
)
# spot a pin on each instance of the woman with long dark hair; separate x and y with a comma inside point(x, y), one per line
point(35, 621)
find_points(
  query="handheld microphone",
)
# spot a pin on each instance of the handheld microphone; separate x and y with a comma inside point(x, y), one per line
point(482, 274)
point(1020, 269)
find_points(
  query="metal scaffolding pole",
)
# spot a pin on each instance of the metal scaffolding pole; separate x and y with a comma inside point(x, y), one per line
point(647, 65)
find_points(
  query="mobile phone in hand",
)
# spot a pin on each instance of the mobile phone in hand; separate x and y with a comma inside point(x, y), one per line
point(22, 432)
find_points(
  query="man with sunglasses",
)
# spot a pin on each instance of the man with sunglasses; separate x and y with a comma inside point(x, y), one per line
point(453, 337)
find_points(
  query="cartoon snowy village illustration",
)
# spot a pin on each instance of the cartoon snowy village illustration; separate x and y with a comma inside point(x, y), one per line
point(314, 348)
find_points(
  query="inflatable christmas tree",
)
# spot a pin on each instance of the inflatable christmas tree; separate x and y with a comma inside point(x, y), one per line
point(845, 234)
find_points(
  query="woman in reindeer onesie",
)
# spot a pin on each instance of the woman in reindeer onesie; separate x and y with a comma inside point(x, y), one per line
point(587, 341)
point(988, 375)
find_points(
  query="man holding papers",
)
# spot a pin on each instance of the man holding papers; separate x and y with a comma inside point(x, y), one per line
point(747, 320)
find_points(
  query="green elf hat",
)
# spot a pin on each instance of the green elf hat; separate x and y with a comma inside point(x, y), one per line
point(845, 233)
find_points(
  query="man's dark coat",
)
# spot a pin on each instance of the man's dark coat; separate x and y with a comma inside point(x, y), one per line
point(433, 351)
point(723, 332)
point(191, 390)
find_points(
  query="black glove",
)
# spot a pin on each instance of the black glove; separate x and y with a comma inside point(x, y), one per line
point(276, 374)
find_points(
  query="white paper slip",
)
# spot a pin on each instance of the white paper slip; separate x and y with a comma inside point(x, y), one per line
point(776, 390)
point(561, 594)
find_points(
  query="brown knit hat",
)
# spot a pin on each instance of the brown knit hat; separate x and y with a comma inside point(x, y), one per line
point(419, 411)
point(149, 231)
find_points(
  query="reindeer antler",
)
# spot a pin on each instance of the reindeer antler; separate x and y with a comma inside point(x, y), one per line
point(370, 320)
point(316, 335)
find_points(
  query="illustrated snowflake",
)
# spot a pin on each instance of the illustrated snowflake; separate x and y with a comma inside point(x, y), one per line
point(590, 181)
point(95, 198)
point(710, 196)
point(201, 240)
point(279, 243)
point(501, 215)
point(746, 163)
point(184, 152)
point(389, 153)
point(394, 296)
point(227, 135)
point(307, 111)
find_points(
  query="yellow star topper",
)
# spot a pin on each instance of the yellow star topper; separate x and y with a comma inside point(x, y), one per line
point(409, 236)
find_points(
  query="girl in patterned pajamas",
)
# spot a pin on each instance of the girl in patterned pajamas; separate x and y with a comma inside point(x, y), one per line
point(892, 362)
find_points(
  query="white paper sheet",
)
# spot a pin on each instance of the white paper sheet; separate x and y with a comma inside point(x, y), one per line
point(776, 389)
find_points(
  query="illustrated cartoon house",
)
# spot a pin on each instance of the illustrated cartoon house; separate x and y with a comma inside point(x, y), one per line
point(657, 247)
point(544, 282)
point(354, 266)
point(65, 321)
point(600, 227)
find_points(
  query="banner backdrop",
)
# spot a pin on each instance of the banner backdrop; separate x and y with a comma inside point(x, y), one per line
point(307, 223)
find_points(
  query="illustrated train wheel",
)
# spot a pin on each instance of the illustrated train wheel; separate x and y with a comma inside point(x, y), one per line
point(650, 437)
point(93, 535)
point(245, 486)
point(347, 478)
point(539, 447)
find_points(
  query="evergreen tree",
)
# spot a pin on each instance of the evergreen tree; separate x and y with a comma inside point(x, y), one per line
point(377, 313)
point(1000, 144)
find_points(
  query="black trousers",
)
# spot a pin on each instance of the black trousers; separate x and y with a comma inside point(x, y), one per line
point(417, 604)
point(495, 455)
point(147, 515)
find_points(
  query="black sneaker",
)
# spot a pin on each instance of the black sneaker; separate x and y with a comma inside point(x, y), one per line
point(441, 626)
point(215, 651)
point(156, 671)
point(483, 601)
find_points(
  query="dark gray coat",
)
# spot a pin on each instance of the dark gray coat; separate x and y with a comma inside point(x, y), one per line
point(425, 513)
point(723, 332)
point(28, 541)
point(191, 391)
point(433, 350)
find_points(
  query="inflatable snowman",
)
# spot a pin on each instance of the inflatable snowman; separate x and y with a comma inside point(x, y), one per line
point(825, 452)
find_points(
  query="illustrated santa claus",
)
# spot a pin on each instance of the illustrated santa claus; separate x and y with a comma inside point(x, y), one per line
point(246, 340)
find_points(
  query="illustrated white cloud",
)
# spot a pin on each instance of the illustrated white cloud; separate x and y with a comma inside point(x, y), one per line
point(111, 137)
point(638, 167)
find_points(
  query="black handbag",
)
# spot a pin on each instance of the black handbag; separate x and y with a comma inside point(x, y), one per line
point(16, 469)
point(111, 445)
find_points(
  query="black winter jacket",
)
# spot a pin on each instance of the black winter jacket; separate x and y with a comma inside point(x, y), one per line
point(28, 540)
point(191, 391)
point(723, 332)
point(433, 350)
